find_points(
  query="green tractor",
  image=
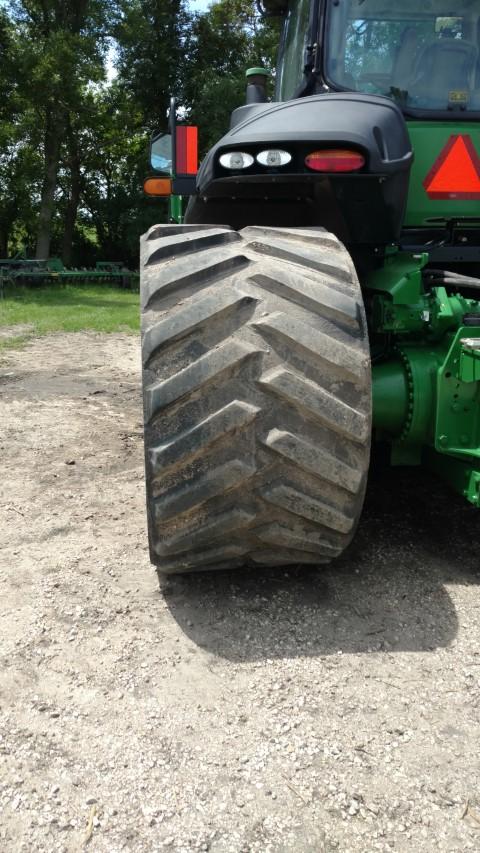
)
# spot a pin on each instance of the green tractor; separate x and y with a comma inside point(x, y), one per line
point(320, 291)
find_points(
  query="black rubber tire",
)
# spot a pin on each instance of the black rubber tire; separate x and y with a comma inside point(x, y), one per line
point(257, 396)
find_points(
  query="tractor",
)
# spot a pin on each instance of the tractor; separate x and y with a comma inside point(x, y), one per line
point(320, 291)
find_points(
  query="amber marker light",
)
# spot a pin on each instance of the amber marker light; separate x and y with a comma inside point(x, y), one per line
point(335, 160)
point(157, 186)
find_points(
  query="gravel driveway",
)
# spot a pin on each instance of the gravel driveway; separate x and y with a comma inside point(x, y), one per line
point(318, 710)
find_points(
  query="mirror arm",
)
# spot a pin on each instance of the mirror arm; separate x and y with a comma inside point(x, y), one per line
point(184, 186)
point(172, 122)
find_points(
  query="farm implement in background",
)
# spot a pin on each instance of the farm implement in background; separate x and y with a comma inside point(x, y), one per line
point(27, 271)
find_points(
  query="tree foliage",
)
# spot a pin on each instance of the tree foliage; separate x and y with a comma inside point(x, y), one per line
point(225, 41)
point(83, 83)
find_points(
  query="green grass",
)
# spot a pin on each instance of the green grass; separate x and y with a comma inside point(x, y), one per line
point(66, 308)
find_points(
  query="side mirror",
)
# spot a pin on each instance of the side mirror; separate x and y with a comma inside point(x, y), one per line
point(173, 154)
point(161, 153)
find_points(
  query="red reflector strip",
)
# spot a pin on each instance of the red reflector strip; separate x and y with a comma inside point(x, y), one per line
point(186, 150)
point(335, 160)
point(456, 171)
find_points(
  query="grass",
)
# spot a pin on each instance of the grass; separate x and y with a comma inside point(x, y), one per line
point(65, 308)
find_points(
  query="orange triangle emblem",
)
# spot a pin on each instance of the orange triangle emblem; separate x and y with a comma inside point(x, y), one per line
point(456, 172)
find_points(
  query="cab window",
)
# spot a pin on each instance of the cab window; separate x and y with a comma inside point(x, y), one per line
point(423, 58)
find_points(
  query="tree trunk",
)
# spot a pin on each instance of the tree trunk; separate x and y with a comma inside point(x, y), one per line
point(7, 220)
point(73, 200)
point(70, 220)
point(53, 134)
point(3, 241)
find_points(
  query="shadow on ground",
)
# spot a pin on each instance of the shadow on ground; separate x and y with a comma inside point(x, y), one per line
point(388, 592)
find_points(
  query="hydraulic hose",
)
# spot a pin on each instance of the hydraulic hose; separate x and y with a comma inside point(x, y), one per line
point(446, 278)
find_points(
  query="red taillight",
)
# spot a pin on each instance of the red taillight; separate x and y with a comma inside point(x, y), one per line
point(335, 160)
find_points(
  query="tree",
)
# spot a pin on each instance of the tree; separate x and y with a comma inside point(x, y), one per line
point(64, 45)
point(73, 147)
point(151, 37)
point(115, 163)
point(223, 42)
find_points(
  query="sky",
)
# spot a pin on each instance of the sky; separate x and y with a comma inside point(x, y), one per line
point(199, 5)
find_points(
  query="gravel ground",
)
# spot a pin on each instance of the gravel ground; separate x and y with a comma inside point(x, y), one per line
point(319, 710)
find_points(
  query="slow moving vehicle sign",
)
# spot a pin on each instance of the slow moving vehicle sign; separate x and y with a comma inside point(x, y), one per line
point(456, 171)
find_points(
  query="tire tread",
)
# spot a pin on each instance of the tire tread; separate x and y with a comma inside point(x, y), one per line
point(257, 396)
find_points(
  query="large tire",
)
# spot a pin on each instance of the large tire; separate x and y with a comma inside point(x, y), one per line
point(257, 396)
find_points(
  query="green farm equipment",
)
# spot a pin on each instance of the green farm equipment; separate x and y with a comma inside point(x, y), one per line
point(321, 290)
point(28, 271)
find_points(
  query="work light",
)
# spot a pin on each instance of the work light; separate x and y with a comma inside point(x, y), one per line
point(235, 160)
point(274, 157)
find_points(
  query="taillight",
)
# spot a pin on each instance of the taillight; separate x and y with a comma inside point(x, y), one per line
point(335, 160)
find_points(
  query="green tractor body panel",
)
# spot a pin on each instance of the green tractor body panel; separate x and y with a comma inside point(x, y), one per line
point(430, 140)
point(426, 394)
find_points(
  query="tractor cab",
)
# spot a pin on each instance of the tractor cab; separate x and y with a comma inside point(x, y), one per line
point(424, 56)
point(426, 59)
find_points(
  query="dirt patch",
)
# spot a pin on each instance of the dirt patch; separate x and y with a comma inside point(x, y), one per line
point(324, 710)
point(20, 330)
